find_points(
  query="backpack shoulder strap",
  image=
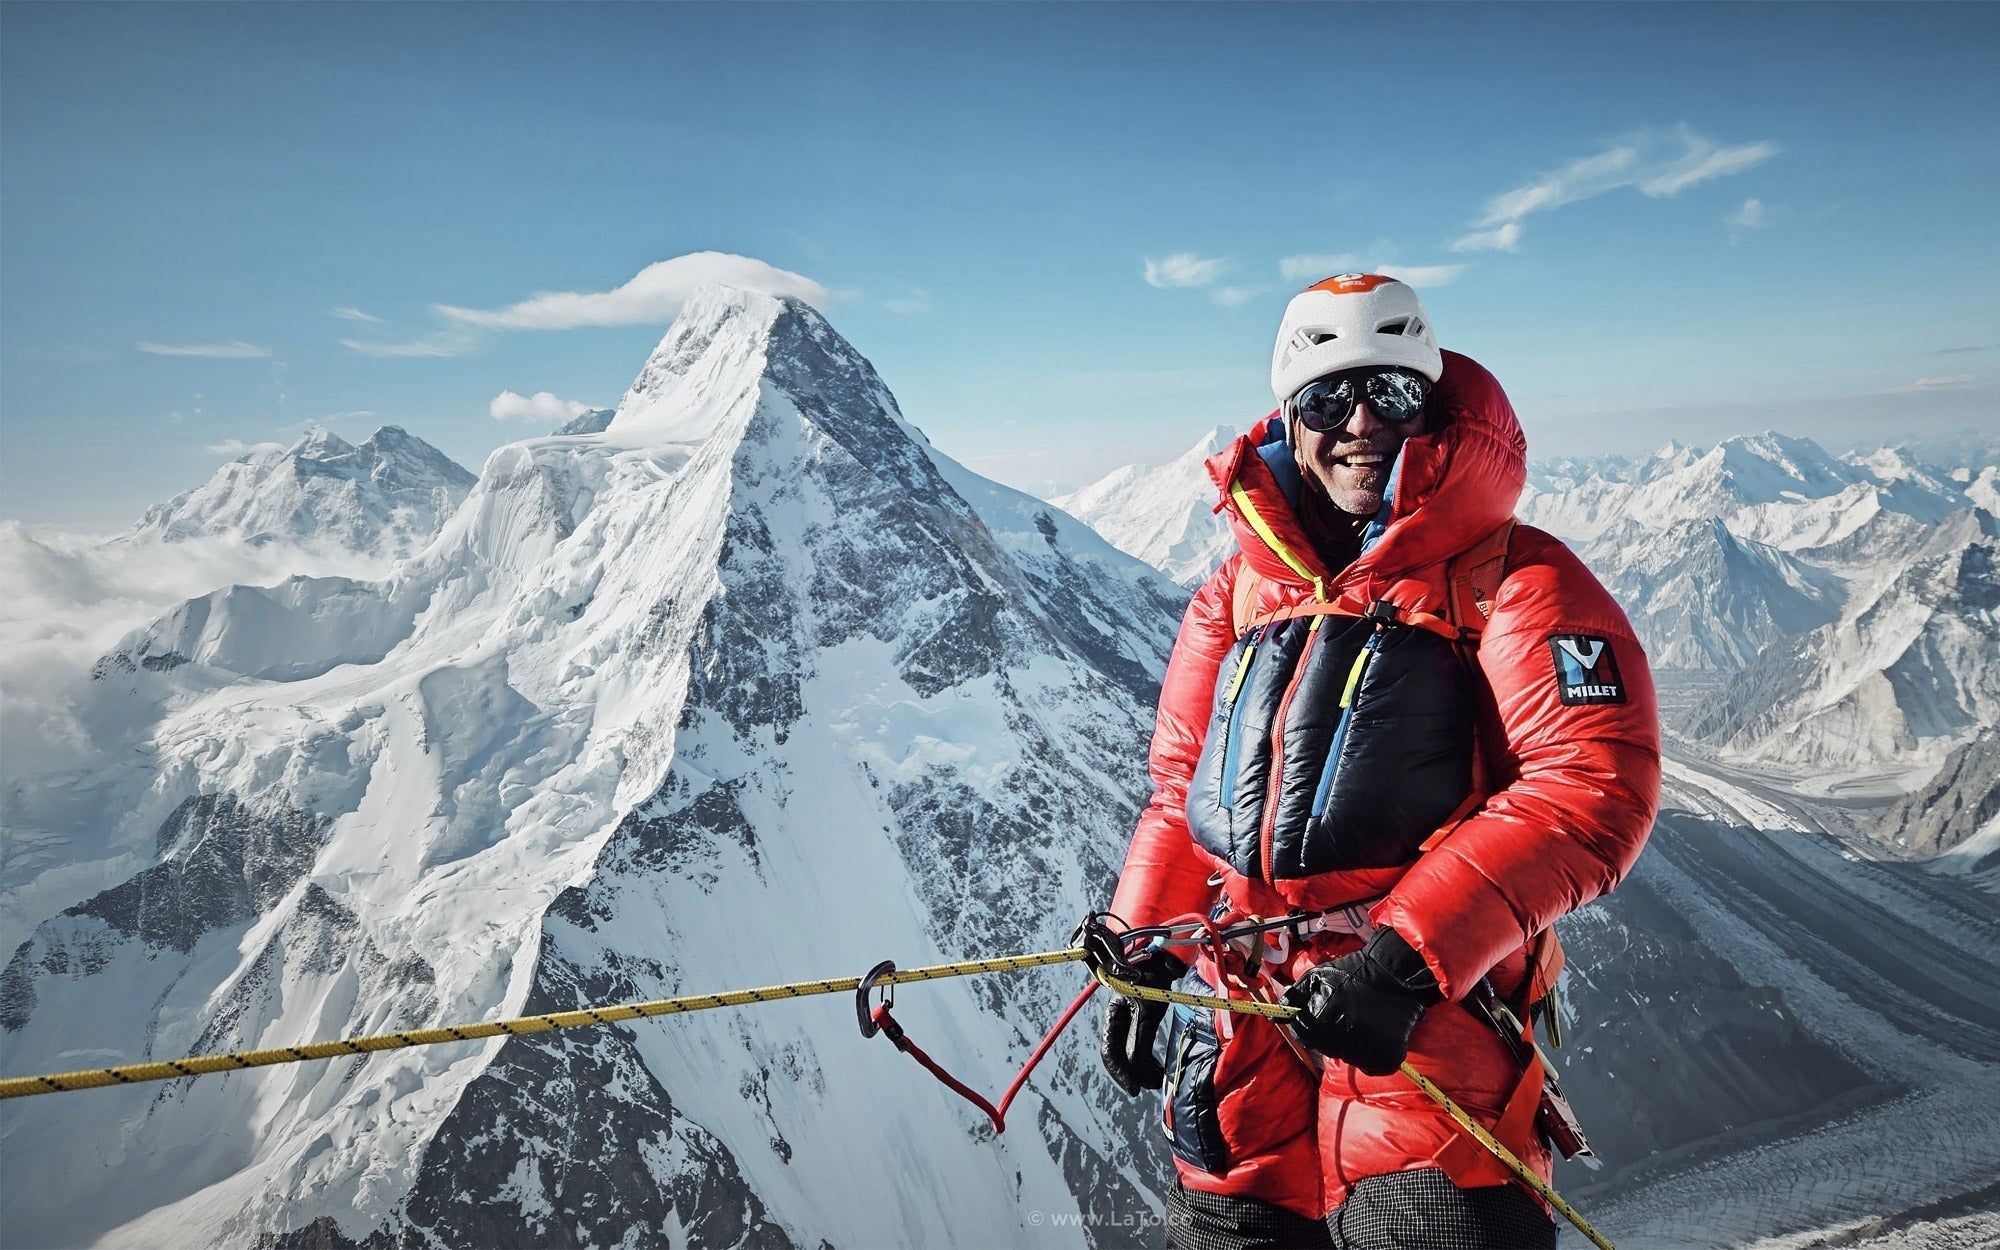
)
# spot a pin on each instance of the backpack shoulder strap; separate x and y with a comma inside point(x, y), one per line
point(1473, 579)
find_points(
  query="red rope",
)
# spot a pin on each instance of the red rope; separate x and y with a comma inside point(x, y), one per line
point(894, 1032)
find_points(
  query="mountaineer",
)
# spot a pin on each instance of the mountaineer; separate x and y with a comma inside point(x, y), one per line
point(1423, 730)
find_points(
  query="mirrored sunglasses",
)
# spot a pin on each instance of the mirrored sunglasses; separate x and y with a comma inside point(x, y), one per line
point(1394, 395)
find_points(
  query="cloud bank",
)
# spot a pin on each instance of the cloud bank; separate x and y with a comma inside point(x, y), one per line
point(236, 448)
point(543, 406)
point(1954, 382)
point(66, 599)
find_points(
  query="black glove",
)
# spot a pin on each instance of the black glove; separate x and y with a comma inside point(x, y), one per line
point(1130, 1024)
point(1363, 1006)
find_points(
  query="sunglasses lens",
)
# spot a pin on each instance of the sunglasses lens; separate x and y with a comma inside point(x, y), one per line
point(1326, 404)
point(1397, 396)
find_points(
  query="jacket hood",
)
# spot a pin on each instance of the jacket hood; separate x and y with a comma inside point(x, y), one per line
point(1452, 486)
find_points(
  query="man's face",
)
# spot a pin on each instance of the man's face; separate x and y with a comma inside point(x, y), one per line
point(1351, 462)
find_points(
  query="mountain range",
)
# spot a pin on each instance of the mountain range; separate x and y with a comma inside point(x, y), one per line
point(749, 683)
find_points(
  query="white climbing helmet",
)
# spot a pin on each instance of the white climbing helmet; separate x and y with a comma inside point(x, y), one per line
point(1350, 322)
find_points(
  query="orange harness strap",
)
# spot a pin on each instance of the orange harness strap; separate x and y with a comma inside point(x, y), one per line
point(1472, 578)
point(1470, 1165)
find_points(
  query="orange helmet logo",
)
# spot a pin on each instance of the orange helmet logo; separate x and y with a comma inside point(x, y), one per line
point(1350, 283)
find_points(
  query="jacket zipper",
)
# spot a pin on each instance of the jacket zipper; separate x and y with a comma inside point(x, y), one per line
point(1230, 739)
point(1275, 783)
point(1368, 649)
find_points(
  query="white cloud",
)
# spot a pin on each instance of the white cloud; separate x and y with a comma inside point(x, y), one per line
point(1953, 382)
point(1506, 238)
point(653, 296)
point(66, 599)
point(915, 305)
point(234, 349)
point(1422, 275)
point(1184, 269)
point(1235, 296)
point(352, 314)
point(235, 448)
point(443, 343)
point(542, 406)
point(1307, 268)
point(1578, 180)
point(1656, 163)
point(1704, 162)
point(1750, 216)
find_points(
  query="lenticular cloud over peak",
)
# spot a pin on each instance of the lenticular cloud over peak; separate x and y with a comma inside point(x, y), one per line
point(654, 295)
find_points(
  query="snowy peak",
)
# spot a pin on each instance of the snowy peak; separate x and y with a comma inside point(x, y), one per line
point(1768, 467)
point(1784, 492)
point(1701, 598)
point(319, 443)
point(386, 497)
point(755, 650)
point(1162, 515)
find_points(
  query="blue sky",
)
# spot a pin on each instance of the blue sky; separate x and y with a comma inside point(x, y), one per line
point(1063, 234)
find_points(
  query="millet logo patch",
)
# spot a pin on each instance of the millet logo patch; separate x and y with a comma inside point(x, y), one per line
point(1586, 671)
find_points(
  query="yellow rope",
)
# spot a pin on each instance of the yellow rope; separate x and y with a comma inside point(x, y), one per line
point(1506, 1156)
point(201, 1065)
point(1278, 1011)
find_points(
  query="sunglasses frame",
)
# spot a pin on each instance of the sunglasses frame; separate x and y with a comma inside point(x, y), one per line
point(1359, 380)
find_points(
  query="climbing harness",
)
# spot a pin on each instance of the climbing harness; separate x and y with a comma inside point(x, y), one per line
point(1096, 938)
point(1108, 954)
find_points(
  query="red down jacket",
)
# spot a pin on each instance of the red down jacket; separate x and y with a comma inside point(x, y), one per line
point(1570, 777)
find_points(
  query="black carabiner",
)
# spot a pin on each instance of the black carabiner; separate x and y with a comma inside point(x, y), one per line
point(863, 1013)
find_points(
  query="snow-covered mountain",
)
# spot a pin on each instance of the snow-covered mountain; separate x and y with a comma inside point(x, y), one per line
point(595, 421)
point(1909, 671)
point(1769, 488)
point(1775, 1041)
point(1854, 594)
point(1701, 598)
point(1164, 515)
point(753, 685)
point(386, 497)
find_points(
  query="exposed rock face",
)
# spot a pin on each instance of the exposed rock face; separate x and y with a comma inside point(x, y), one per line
point(1961, 800)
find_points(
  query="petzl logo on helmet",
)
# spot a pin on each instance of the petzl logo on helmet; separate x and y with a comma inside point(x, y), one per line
point(1586, 671)
point(1350, 283)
